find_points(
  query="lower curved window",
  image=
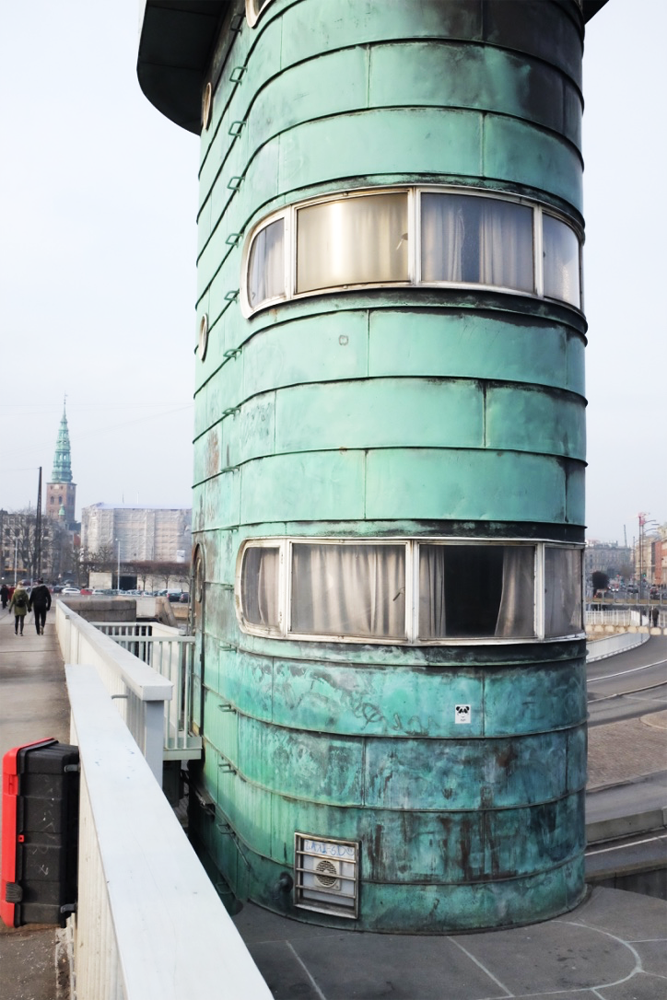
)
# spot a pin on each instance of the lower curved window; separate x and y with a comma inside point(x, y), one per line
point(412, 591)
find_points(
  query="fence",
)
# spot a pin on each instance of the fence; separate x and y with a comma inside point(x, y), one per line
point(625, 617)
point(149, 923)
point(140, 693)
point(171, 654)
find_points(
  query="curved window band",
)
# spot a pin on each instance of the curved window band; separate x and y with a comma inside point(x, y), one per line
point(359, 591)
point(413, 237)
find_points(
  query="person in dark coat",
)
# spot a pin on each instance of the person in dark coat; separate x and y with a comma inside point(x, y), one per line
point(40, 602)
point(4, 595)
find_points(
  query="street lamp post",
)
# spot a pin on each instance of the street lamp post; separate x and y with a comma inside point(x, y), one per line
point(118, 572)
point(642, 519)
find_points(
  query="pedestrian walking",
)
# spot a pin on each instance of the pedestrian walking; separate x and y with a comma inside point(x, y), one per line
point(19, 603)
point(40, 602)
point(655, 614)
point(4, 595)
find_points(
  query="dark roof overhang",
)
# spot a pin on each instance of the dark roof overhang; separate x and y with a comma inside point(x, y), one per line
point(591, 7)
point(175, 48)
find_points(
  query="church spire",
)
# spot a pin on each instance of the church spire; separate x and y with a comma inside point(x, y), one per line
point(62, 461)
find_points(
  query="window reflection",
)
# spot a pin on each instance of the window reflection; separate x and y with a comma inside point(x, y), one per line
point(561, 261)
point(266, 268)
point(259, 586)
point(562, 591)
point(477, 240)
point(352, 242)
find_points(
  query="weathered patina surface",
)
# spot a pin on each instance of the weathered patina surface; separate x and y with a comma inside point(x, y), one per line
point(391, 412)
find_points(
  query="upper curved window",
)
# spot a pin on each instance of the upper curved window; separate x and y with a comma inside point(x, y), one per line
point(411, 236)
point(266, 266)
point(417, 591)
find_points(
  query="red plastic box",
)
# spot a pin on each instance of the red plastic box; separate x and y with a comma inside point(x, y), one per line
point(40, 805)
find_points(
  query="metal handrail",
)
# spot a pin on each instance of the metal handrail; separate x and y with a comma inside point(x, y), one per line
point(172, 655)
point(141, 695)
point(148, 917)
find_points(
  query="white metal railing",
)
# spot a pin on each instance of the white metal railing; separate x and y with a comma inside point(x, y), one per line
point(149, 923)
point(624, 617)
point(139, 692)
point(171, 653)
point(615, 616)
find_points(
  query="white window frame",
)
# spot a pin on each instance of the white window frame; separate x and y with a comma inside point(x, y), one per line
point(414, 215)
point(412, 544)
point(254, 10)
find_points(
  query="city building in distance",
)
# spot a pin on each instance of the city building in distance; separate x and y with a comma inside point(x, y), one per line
point(144, 534)
point(61, 490)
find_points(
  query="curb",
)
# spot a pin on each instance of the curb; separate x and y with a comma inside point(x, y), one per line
point(618, 827)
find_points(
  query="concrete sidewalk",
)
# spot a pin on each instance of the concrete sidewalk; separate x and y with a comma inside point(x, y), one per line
point(612, 947)
point(33, 706)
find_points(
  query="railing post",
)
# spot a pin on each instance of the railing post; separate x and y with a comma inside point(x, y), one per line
point(149, 921)
point(154, 736)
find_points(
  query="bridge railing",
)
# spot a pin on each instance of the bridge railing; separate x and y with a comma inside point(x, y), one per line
point(149, 923)
point(171, 653)
point(625, 617)
point(139, 692)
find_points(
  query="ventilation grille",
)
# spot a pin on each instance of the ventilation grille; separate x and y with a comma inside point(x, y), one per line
point(326, 875)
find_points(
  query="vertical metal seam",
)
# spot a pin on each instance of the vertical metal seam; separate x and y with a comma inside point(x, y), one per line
point(484, 430)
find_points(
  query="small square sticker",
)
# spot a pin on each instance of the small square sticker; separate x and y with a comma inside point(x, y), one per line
point(462, 713)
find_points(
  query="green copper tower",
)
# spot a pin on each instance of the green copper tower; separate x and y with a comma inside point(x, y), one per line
point(61, 491)
point(389, 453)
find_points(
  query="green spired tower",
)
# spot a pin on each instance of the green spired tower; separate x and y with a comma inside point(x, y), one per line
point(61, 491)
point(389, 452)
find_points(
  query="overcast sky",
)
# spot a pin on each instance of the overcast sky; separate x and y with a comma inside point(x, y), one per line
point(97, 262)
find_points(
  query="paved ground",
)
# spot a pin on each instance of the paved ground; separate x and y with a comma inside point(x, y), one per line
point(33, 706)
point(644, 743)
point(612, 947)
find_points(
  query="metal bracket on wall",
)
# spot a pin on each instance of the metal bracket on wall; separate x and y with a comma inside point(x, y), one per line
point(233, 239)
point(233, 352)
point(226, 831)
point(226, 706)
point(226, 766)
point(235, 129)
point(231, 411)
point(205, 802)
point(236, 74)
point(235, 182)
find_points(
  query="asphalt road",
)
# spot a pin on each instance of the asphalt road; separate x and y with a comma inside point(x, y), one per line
point(629, 684)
